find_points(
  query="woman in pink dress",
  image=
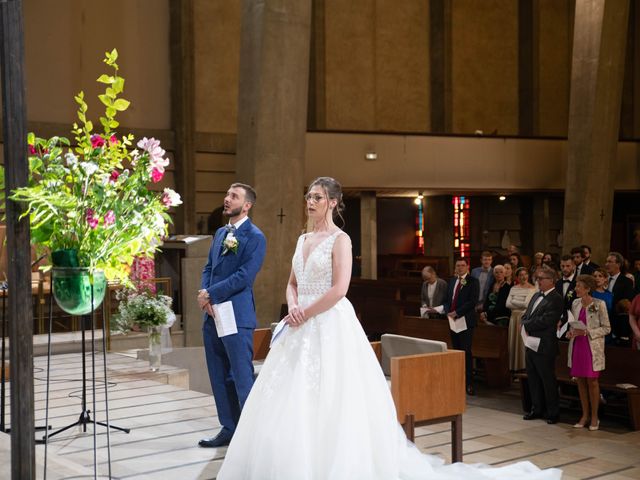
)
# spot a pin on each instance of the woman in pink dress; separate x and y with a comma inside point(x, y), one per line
point(586, 347)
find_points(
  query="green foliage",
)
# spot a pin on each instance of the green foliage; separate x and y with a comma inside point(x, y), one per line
point(142, 309)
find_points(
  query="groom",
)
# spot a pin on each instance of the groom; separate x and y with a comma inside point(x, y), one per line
point(235, 258)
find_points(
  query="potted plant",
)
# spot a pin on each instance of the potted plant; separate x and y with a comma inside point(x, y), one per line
point(90, 204)
point(143, 309)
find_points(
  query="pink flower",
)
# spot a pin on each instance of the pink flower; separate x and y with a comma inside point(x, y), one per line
point(170, 198)
point(109, 218)
point(114, 176)
point(113, 140)
point(91, 220)
point(156, 175)
point(32, 150)
point(156, 153)
point(97, 141)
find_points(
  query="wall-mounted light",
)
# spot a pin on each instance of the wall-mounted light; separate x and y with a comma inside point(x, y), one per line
point(502, 198)
point(371, 156)
point(418, 199)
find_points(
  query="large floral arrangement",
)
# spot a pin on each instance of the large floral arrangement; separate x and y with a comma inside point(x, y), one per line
point(92, 201)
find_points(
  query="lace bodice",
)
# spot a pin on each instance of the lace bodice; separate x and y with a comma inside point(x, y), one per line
point(315, 276)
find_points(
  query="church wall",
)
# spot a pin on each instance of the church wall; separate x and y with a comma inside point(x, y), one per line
point(484, 66)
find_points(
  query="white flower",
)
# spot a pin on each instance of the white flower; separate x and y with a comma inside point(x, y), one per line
point(230, 243)
point(89, 167)
point(170, 198)
point(159, 222)
point(71, 159)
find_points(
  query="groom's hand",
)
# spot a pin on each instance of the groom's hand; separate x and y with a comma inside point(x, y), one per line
point(203, 299)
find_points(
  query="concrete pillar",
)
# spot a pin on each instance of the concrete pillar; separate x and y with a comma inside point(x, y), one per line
point(594, 119)
point(540, 224)
point(438, 229)
point(369, 235)
point(272, 123)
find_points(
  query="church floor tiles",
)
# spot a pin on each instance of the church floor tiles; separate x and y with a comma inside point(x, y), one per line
point(166, 422)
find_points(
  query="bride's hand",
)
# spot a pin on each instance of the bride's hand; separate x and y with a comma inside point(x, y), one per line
point(296, 316)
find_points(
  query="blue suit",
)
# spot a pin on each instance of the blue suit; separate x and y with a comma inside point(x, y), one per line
point(230, 277)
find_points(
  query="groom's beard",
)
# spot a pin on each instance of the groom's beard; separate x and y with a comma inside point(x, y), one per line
point(232, 213)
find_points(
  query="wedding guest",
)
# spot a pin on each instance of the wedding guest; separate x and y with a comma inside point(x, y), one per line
point(601, 293)
point(484, 274)
point(622, 289)
point(586, 253)
point(515, 260)
point(566, 285)
point(586, 348)
point(508, 273)
point(537, 262)
point(582, 268)
point(511, 249)
point(634, 322)
point(518, 301)
point(540, 321)
point(434, 290)
point(547, 258)
point(495, 311)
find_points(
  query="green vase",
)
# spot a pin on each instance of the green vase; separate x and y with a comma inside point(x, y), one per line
point(72, 289)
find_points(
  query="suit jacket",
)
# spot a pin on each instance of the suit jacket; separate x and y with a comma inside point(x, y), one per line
point(467, 299)
point(568, 298)
point(586, 269)
point(230, 277)
point(475, 273)
point(542, 322)
point(597, 327)
point(623, 288)
point(439, 293)
point(498, 309)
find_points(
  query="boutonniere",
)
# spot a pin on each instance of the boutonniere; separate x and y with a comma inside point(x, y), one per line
point(463, 281)
point(230, 244)
point(593, 308)
point(570, 294)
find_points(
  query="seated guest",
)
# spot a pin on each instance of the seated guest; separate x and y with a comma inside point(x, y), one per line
point(601, 293)
point(508, 273)
point(434, 291)
point(634, 322)
point(517, 301)
point(495, 311)
point(537, 262)
point(622, 289)
point(586, 348)
point(484, 274)
point(578, 258)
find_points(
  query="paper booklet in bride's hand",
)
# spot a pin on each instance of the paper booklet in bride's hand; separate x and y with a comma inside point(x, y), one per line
point(281, 327)
point(225, 319)
point(458, 325)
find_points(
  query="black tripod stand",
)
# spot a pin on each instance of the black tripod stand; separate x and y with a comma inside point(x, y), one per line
point(3, 375)
point(85, 414)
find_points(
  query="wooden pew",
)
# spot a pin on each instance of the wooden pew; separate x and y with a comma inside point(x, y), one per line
point(490, 343)
point(261, 340)
point(429, 388)
point(622, 366)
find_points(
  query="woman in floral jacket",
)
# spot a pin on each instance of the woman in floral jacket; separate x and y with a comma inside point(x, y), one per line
point(586, 347)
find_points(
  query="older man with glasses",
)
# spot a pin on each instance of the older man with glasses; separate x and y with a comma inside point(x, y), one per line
point(539, 323)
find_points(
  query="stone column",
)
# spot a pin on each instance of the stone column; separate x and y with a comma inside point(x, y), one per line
point(369, 235)
point(272, 125)
point(594, 119)
point(541, 224)
point(438, 229)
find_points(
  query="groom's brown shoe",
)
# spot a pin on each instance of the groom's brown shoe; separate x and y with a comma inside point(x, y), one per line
point(221, 440)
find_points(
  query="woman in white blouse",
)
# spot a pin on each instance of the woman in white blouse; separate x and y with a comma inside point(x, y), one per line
point(517, 301)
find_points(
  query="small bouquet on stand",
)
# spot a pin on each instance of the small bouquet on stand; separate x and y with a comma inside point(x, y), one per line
point(143, 309)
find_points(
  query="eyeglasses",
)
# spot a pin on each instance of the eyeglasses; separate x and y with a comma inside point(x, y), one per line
point(315, 198)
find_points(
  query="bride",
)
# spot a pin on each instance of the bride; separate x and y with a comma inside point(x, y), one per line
point(321, 408)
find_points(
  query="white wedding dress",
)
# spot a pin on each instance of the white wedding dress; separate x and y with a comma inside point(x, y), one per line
point(321, 408)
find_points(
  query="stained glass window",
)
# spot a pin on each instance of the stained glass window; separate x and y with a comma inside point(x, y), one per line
point(461, 217)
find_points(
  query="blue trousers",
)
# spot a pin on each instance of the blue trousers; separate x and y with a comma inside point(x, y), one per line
point(229, 361)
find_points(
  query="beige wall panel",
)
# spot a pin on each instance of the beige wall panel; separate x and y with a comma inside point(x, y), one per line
point(65, 43)
point(452, 164)
point(485, 66)
point(215, 162)
point(209, 201)
point(402, 66)
point(350, 65)
point(217, 57)
point(214, 182)
point(554, 64)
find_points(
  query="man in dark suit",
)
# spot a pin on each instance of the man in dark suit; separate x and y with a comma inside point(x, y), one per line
point(582, 268)
point(235, 257)
point(567, 284)
point(586, 253)
point(462, 296)
point(540, 321)
point(622, 288)
point(434, 292)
